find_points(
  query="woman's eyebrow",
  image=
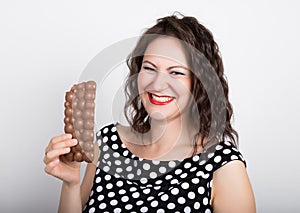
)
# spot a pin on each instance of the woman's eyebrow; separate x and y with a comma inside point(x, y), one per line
point(169, 68)
point(146, 61)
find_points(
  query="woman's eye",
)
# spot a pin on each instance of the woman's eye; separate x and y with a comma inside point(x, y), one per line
point(177, 73)
point(148, 68)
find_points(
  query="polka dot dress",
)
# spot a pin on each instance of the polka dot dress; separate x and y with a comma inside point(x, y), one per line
point(126, 183)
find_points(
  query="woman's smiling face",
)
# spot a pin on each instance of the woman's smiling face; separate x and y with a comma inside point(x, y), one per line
point(164, 80)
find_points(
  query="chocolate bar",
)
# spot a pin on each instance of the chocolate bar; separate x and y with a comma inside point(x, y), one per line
point(79, 120)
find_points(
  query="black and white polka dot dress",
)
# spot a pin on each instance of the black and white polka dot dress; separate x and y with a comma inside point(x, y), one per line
point(126, 183)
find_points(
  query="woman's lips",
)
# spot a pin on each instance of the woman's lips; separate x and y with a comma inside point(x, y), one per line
point(159, 100)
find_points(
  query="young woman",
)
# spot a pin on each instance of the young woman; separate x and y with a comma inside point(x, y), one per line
point(179, 152)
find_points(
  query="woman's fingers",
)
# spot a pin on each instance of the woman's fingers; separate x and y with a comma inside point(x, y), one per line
point(60, 148)
point(51, 165)
point(60, 138)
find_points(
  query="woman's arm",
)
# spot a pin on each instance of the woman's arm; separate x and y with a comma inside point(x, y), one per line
point(231, 189)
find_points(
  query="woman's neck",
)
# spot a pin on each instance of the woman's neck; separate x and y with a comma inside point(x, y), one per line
point(174, 136)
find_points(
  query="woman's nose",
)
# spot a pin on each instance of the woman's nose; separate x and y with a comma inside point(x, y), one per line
point(160, 81)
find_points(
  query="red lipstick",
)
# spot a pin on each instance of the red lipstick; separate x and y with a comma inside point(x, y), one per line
point(159, 100)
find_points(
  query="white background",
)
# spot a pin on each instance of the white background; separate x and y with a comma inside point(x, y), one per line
point(45, 45)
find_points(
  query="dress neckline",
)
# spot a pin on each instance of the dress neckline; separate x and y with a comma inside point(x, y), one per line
point(197, 156)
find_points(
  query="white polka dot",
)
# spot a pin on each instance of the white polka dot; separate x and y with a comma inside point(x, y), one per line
point(202, 162)
point(98, 179)
point(122, 191)
point(138, 172)
point(196, 158)
point(153, 175)
point(196, 205)
point(210, 155)
point(99, 188)
point(119, 170)
point(160, 211)
point(162, 169)
point(155, 162)
point(185, 185)
point(195, 180)
point(135, 195)
point(235, 149)
point(226, 151)
point(174, 181)
point(91, 202)
point(181, 200)
point(157, 187)
point(129, 168)
point(191, 195)
point(128, 206)
point(132, 189)
point(124, 199)
point(125, 153)
point(219, 147)
point(205, 201)
point(184, 175)
point(168, 177)
point(164, 197)
point(154, 203)
point(187, 209)
point(113, 129)
point(117, 210)
point(111, 194)
point(116, 154)
point(217, 159)
point(227, 143)
point(127, 161)
point(146, 166)
point(102, 206)
point(105, 139)
point(105, 130)
point(144, 180)
point(97, 171)
point(140, 202)
point(172, 164)
point(100, 197)
point(178, 171)
point(207, 211)
point(107, 177)
point(175, 191)
point(205, 176)
point(130, 176)
point(120, 183)
point(150, 198)
point(234, 157)
point(187, 165)
point(171, 206)
point(92, 210)
point(106, 156)
point(208, 167)
point(109, 186)
point(114, 146)
point(113, 202)
point(144, 209)
point(146, 191)
point(193, 169)
point(201, 190)
point(158, 182)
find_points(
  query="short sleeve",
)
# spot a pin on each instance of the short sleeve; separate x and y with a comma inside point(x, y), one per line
point(225, 152)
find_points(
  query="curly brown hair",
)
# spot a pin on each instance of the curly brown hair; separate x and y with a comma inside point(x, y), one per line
point(212, 110)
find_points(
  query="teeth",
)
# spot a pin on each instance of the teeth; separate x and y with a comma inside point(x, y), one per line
point(161, 99)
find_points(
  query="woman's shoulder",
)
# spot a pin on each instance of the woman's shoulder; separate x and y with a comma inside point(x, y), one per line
point(220, 154)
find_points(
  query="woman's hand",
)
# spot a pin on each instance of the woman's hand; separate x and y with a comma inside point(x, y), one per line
point(69, 172)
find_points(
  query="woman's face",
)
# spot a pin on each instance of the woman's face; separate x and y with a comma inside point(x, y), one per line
point(164, 81)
